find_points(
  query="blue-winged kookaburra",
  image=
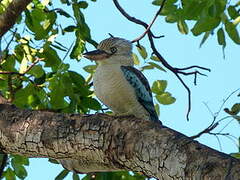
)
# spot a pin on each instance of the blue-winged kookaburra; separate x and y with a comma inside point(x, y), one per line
point(117, 83)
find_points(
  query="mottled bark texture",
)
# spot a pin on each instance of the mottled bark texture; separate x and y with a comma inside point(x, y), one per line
point(9, 17)
point(104, 143)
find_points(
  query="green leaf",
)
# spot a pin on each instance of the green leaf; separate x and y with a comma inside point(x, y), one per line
point(54, 161)
point(40, 22)
point(9, 174)
point(70, 28)
point(205, 37)
point(37, 71)
point(233, 13)
point(165, 98)
point(76, 78)
point(169, 6)
point(21, 159)
point(9, 64)
point(232, 32)
point(157, 66)
point(157, 108)
point(63, 13)
point(21, 96)
point(90, 68)
point(155, 58)
point(91, 103)
point(205, 24)
point(51, 57)
point(159, 86)
point(182, 27)
point(236, 155)
point(221, 37)
point(157, 2)
point(192, 9)
point(57, 94)
point(65, 2)
point(78, 48)
point(20, 171)
point(83, 31)
point(142, 51)
point(135, 59)
point(147, 67)
point(75, 176)
point(62, 175)
point(83, 4)
point(24, 65)
point(235, 108)
point(40, 80)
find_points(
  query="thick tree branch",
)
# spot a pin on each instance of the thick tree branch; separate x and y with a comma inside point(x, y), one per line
point(9, 17)
point(105, 143)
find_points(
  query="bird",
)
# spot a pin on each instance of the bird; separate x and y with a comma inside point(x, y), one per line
point(118, 84)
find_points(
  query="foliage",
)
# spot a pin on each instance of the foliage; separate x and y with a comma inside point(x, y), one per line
point(42, 79)
point(207, 16)
point(16, 167)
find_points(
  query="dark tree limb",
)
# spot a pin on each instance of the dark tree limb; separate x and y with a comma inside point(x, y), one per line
point(9, 17)
point(175, 71)
point(99, 143)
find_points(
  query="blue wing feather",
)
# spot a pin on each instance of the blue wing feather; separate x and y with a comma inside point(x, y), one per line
point(142, 89)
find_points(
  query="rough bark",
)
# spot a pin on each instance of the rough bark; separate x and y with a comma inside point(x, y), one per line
point(105, 143)
point(9, 17)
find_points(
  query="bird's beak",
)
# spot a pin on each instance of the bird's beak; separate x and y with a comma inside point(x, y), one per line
point(96, 55)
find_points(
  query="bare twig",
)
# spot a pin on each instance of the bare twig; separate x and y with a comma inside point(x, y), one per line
point(150, 25)
point(225, 100)
point(191, 67)
point(219, 142)
point(214, 124)
point(23, 73)
point(13, 35)
point(207, 130)
point(175, 71)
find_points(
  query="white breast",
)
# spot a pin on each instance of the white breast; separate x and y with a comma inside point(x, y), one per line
point(113, 90)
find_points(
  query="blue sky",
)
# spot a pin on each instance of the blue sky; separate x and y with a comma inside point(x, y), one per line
point(180, 51)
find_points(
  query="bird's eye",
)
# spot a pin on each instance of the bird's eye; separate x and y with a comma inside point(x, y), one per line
point(113, 50)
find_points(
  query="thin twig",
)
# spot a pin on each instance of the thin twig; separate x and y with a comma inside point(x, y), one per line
point(219, 142)
point(150, 25)
point(209, 109)
point(68, 52)
point(225, 126)
point(191, 67)
point(13, 35)
point(225, 100)
point(207, 130)
point(23, 73)
point(215, 124)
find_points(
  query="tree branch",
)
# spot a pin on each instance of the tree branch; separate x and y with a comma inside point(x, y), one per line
point(150, 25)
point(175, 71)
point(9, 17)
point(100, 142)
point(26, 71)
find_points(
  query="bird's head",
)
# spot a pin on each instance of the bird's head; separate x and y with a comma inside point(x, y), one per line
point(112, 50)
